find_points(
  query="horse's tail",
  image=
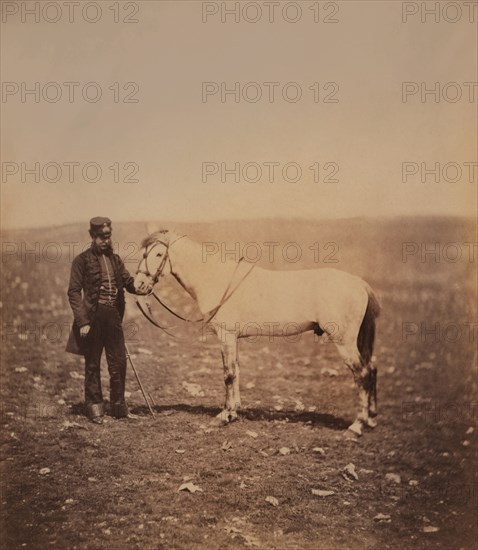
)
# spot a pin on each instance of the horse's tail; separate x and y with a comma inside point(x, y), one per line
point(366, 335)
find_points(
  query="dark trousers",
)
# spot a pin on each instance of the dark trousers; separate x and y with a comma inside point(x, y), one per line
point(105, 332)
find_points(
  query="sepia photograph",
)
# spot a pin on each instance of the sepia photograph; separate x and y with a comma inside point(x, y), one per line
point(239, 284)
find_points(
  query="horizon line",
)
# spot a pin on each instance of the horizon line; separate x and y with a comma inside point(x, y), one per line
point(248, 220)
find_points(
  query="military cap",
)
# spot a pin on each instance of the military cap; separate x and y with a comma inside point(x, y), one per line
point(100, 226)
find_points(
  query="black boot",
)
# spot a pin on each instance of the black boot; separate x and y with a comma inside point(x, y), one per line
point(119, 410)
point(95, 412)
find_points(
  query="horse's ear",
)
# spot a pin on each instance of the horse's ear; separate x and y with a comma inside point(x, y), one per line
point(152, 227)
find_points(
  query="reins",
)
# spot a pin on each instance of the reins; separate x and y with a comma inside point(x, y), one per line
point(151, 320)
point(226, 296)
point(210, 314)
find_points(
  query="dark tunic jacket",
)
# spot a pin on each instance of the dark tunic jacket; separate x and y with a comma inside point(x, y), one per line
point(84, 292)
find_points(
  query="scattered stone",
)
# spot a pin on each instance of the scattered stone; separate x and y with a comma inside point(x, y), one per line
point(318, 450)
point(349, 472)
point(193, 389)
point(413, 482)
point(430, 529)
point(190, 487)
point(329, 372)
point(250, 541)
point(67, 425)
point(384, 518)
point(393, 478)
point(426, 365)
point(145, 351)
point(226, 445)
point(272, 500)
point(284, 451)
point(252, 434)
point(231, 529)
point(44, 471)
point(322, 493)
point(21, 369)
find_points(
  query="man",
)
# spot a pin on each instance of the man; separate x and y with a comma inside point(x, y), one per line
point(96, 295)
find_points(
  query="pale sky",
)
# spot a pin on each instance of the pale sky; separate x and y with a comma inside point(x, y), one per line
point(171, 131)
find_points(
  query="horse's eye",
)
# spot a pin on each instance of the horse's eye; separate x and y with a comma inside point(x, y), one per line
point(159, 254)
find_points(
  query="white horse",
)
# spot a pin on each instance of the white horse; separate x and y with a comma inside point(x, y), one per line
point(235, 296)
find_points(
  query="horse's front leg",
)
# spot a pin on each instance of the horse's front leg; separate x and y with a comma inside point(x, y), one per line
point(231, 379)
point(235, 384)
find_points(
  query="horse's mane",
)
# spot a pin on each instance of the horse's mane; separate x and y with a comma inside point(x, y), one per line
point(150, 239)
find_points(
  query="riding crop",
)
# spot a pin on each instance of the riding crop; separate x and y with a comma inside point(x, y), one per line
point(139, 382)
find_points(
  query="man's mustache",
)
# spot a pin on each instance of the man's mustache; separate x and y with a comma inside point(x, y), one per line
point(105, 248)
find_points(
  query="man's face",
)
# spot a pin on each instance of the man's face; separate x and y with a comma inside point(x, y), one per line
point(103, 242)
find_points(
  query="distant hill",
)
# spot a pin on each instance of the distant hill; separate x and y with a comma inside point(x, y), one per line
point(375, 248)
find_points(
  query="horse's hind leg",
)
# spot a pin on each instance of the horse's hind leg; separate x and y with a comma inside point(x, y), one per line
point(372, 403)
point(364, 377)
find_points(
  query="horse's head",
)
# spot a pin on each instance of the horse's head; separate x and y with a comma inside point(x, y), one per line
point(154, 262)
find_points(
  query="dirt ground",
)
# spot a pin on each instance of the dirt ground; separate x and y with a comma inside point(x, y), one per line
point(67, 483)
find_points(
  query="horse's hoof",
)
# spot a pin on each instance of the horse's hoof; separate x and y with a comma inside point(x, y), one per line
point(232, 416)
point(356, 427)
point(371, 422)
point(224, 417)
point(220, 419)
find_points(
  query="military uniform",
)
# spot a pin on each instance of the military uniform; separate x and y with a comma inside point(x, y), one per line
point(96, 295)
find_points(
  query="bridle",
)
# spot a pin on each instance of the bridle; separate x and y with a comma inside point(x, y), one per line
point(155, 279)
point(228, 292)
point(159, 271)
point(166, 258)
